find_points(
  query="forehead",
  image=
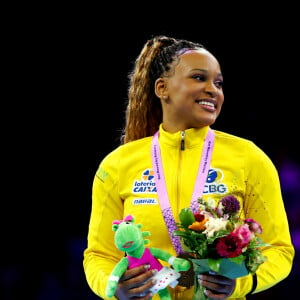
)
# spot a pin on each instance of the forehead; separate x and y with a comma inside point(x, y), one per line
point(198, 59)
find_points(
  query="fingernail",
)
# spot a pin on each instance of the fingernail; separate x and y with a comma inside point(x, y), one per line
point(147, 267)
point(154, 271)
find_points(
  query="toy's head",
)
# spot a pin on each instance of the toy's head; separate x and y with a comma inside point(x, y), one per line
point(128, 235)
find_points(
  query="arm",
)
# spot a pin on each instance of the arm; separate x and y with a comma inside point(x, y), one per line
point(101, 255)
point(263, 202)
point(179, 264)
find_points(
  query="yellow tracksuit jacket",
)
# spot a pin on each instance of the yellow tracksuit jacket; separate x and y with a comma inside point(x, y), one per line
point(124, 185)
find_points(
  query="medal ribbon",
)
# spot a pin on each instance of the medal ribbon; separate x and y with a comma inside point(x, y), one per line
point(162, 189)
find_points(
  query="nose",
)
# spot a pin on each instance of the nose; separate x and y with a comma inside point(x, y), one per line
point(211, 89)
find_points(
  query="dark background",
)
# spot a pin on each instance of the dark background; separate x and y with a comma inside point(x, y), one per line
point(65, 85)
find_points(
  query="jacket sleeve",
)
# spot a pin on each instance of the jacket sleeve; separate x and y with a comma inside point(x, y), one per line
point(101, 254)
point(263, 202)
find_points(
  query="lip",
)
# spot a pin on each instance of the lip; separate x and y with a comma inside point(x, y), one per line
point(208, 104)
point(128, 244)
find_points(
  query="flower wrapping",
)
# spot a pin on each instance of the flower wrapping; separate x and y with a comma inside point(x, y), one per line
point(223, 266)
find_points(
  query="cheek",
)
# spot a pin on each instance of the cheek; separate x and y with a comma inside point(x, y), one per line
point(179, 86)
point(180, 95)
point(179, 90)
point(221, 100)
point(220, 104)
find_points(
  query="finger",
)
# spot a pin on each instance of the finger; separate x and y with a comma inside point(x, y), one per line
point(130, 273)
point(143, 290)
point(141, 279)
point(217, 286)
point(213, 296)
point(216, 279)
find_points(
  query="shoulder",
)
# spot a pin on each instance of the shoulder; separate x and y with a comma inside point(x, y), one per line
point(234, 140)
point(241, 147)
point(130, 150)
point(230, 137)
point(132, 147)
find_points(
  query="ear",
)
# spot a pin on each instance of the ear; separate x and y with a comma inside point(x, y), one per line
point(161, 89)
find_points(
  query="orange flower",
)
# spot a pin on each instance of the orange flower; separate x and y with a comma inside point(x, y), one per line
point(198, 225)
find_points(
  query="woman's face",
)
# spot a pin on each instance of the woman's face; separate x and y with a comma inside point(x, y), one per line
point(191, 94)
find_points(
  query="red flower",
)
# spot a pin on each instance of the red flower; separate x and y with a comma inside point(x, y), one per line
point(229, 246)
point(198, 216)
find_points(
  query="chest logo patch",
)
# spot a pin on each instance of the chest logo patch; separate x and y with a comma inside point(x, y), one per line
point(146, 184)
point(214, 182)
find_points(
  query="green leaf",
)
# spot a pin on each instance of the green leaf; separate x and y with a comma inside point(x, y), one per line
point(214, 264)
point(238, 260)
point(186, 217)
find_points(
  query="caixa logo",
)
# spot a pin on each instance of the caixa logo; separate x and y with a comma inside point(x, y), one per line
point(146, 184)
point(214, 183)
point(144, 187)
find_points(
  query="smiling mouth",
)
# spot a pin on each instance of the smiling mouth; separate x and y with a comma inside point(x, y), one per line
point(207, 103)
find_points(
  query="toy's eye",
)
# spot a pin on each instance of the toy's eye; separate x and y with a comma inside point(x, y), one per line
point(128, 222)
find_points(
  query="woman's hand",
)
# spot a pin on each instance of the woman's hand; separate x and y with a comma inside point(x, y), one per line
point(135, 283)
point(217, 287)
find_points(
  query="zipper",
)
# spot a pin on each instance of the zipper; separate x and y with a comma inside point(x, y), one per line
point(182, 140)
point(178, 175)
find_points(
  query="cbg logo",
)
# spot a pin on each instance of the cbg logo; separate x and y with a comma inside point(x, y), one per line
point(214, 183)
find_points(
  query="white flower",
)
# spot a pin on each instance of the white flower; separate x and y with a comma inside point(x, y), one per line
point(213, 225)
point(211, 203)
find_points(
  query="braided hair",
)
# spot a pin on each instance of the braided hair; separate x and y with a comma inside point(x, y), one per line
point(144, 111)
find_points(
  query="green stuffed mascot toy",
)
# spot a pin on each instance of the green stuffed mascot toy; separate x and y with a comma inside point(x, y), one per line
point(130, 239)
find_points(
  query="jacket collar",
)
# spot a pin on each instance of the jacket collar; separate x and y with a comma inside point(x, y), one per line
point(193, 137)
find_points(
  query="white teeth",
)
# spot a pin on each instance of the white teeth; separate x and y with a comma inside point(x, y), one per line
point(206, 103)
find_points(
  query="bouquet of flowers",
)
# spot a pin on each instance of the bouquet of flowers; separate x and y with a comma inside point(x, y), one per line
point(219, 241)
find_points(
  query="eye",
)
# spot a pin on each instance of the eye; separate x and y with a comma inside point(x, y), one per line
point(199, 77)
point(219, 83)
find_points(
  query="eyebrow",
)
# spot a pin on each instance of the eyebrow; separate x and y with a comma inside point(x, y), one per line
point(205, 71)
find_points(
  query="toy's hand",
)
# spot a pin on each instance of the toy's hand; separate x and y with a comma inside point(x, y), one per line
point(111, 288)
point(181, 264)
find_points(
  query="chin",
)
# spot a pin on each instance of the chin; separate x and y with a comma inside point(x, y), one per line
point(207, 122)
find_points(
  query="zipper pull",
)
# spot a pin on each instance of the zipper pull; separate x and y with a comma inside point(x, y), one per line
point(182, 140)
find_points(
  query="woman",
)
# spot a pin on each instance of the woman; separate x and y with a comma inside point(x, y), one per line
point(175, 95)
